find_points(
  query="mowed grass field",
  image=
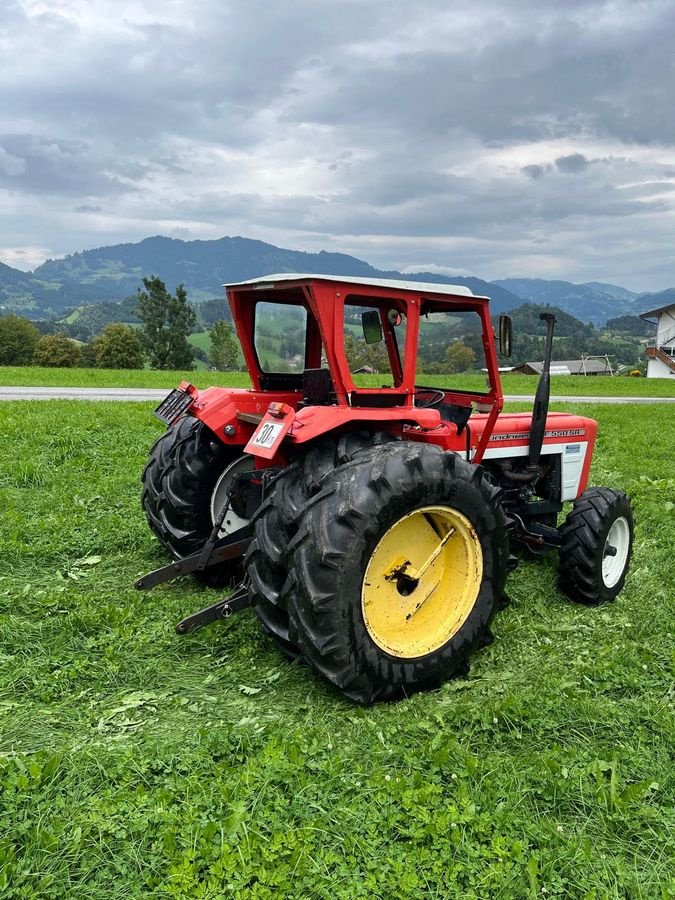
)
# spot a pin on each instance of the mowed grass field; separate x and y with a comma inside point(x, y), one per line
point(569, 385)
point(137, 763)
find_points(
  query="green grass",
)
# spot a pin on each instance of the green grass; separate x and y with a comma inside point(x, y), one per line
point(132, 378)
point(511, 384)
point(137, 763)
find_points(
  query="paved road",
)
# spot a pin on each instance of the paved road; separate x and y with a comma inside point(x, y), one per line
point(76, 393)
point(148, 394)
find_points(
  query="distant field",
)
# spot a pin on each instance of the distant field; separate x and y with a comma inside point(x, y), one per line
point(134, 763)
point(511, 384)
point(200, 339)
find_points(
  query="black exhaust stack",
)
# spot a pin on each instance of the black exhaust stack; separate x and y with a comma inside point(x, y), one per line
point(542, 396)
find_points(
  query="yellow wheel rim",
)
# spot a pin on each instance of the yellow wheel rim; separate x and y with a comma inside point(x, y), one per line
point(422, 581)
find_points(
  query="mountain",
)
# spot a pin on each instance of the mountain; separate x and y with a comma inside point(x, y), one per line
point(648, 302)
point(35, 297)
point(591, 302)
point(111, 274)
point(612, 290)
point(19, 291)
point(114, 273)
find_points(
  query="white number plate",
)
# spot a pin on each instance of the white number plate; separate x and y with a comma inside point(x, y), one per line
point(267, 435)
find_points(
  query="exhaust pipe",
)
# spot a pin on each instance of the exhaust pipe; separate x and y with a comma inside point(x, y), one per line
point(540, 410)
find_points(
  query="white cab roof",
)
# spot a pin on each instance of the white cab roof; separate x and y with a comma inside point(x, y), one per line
point(422, 287)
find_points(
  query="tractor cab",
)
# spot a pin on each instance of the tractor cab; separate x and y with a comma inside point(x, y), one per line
point(354, 343)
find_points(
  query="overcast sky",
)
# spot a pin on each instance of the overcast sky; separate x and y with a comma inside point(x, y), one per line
point(497, 138)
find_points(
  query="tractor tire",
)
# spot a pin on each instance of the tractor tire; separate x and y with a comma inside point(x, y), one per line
point(396, 571)
point(276, 522)
point(597, 542)
point(179, 481)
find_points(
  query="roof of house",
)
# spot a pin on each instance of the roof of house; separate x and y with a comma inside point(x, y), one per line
point(569, 366)
point(656, 312)
point(421, 287)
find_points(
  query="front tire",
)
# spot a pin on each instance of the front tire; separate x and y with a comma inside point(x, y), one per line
point(396, 571)
point(597, 543)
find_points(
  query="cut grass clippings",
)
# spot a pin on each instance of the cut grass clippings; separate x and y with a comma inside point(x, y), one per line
point(137, 763)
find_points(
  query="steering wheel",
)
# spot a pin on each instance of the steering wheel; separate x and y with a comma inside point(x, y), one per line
point(435, 399)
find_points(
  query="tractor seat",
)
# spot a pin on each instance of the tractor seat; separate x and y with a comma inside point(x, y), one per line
point(317, 388)
point(451, 412)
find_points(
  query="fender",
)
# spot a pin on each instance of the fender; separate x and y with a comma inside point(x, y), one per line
point(237, 409)
point(312, 422)
point(242, 410)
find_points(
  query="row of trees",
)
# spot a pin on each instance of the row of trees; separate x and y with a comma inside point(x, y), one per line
point(166, 321)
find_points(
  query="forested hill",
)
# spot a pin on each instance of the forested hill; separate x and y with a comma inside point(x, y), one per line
point(621, 338)
point(114, 273)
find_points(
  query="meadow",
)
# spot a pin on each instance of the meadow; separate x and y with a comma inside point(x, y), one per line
point(137, 763)
point(567, 385)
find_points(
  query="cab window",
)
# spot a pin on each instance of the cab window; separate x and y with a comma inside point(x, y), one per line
point(368, 353)
point(450, 343)
point(280, 336)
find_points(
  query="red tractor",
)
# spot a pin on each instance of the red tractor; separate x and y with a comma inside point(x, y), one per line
point(371, 526)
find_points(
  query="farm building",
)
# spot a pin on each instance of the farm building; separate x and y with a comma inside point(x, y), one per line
point(586, 366)
point(661, 349)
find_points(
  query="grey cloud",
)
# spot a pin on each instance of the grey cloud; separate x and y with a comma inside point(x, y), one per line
point(534, 170)
point(364, 120)
point(52, 166)
point(572, 164)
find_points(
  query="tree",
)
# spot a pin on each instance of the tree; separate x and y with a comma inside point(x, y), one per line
point(459, 357)
point(88, 355)
point(18, 339)
point(57, 351)
point(167, 321)
point(360, 355)
point(224, 348)
point(118, 347)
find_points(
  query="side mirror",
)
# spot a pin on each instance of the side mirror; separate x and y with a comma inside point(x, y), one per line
point(372, 327)
point(505, 335)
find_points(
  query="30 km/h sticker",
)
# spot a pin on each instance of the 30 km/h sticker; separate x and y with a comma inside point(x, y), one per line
point(271, 431)
point(267, 435)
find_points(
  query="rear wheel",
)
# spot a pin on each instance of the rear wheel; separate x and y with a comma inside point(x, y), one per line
point(396, 571)
point(185, 486)
point(597, 543)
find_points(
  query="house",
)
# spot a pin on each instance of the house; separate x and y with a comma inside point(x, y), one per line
point(661, 349)
point(585, 366)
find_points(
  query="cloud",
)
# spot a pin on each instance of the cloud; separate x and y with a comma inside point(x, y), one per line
point(534, 170)
point(448, 133)
point(434, 269)
point(53, 166)
point(572, 164)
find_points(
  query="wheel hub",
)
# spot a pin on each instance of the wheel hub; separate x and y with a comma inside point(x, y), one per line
point(232, 521)
point(422, 581)
point(615, 552)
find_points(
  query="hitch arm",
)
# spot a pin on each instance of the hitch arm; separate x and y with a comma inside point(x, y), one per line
point(223, 609)
point(229, 547)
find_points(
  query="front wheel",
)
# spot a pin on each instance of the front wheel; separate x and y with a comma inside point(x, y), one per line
point(185, 485)
point(396, 571)
point(597, 543)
